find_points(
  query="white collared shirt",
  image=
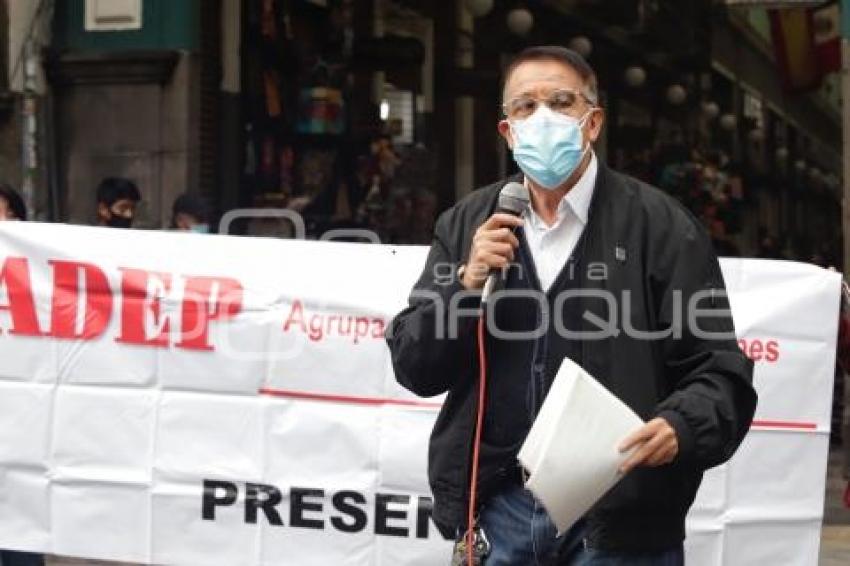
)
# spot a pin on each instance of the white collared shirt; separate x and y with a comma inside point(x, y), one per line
point(551, 246)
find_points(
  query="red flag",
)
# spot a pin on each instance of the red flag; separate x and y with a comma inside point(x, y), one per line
point(827, 37)
point(792, 31)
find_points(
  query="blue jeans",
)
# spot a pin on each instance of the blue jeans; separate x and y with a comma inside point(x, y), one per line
point(521, 534)
point(12, 558)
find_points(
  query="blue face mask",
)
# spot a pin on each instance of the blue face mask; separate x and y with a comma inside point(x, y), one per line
point(200, 228)
point(549, 146)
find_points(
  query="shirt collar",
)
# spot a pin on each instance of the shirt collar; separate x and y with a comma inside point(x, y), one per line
point(578, 198)
point(581, 194)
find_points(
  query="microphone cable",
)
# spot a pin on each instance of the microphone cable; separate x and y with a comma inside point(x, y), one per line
point(513, 199)
point(476, 443)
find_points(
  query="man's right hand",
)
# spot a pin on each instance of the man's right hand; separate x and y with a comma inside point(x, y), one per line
point(493, 248)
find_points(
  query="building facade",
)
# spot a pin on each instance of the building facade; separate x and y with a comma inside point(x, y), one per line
point(366, 112)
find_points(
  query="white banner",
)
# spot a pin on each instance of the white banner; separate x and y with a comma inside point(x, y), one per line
point(185, 399)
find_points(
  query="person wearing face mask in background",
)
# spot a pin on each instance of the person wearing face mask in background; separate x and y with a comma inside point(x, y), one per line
point(587, 229)
point(12, 208)
point(117, 199)
point(190, 213)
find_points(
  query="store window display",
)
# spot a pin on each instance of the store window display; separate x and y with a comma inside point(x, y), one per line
point(315, 141)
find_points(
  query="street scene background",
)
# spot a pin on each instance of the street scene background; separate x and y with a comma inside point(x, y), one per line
point(377, 115)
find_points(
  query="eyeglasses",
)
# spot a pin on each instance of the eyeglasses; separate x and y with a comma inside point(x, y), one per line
point(123, 208)
point(563, 101)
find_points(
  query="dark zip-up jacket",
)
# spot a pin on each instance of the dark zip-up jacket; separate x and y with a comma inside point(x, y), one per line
point(638, 241)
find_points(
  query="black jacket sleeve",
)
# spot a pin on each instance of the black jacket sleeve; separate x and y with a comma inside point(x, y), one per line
point(712, 400)
point(432, 341)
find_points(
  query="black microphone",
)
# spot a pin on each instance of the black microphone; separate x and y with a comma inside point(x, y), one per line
point(513, 199)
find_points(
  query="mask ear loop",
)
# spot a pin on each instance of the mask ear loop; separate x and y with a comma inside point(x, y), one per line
point(583, 120)
point(514, 135)
point(582, 123)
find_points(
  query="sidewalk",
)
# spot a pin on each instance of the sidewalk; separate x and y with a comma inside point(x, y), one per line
point(835, 536)
point(61, 561)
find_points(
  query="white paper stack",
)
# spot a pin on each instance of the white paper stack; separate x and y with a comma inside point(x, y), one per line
point(571, 452)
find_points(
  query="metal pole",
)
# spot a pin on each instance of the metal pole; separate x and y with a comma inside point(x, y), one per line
point(29, 126)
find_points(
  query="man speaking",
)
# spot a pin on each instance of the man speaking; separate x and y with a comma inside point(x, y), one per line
point(645, 313)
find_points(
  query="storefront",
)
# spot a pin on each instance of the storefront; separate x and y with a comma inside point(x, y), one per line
point(128, 99)
point(380, 113)
point(330, 116)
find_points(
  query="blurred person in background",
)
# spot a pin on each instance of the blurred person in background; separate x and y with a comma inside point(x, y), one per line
point(11, 204)
point(190, 213)
point(117, 200)
point(843, 359)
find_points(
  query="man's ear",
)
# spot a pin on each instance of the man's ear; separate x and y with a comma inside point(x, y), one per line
point(594, 124)
point(103, 211)
point(505, 131)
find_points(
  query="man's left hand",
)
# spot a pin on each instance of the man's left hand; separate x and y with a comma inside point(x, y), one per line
point(656, 442)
